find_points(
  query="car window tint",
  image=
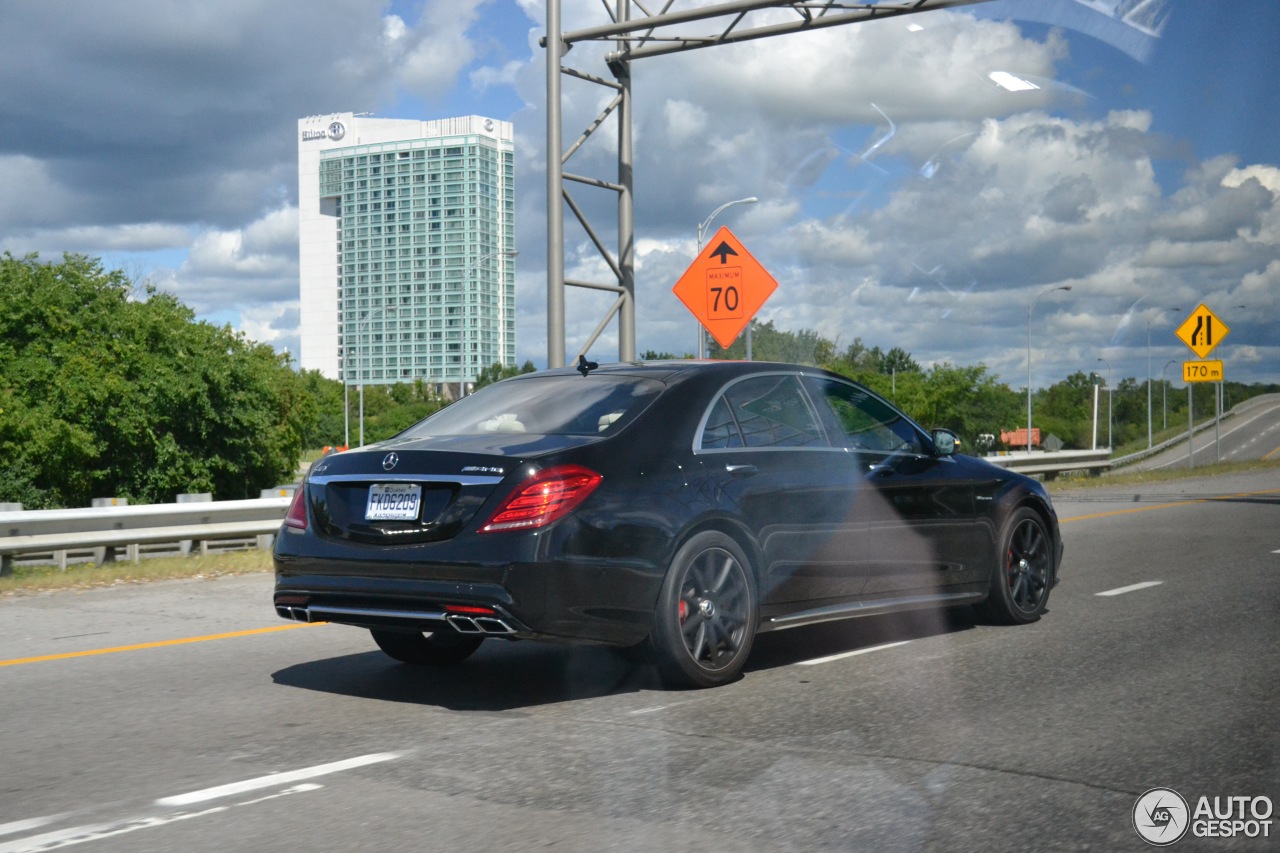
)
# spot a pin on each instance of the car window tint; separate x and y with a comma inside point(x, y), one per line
point(770, 411)
point(551, 405)
point(868, 422)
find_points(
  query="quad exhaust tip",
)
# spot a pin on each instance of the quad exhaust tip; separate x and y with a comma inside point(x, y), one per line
point(490, 624)
point(479, 624)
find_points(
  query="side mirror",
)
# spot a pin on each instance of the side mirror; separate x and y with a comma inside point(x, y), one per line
point(946, 441)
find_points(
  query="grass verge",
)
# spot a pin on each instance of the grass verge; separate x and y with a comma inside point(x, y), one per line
point(30, 579)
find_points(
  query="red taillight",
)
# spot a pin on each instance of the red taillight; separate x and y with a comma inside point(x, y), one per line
point(544, 498)
point(297, 515)
point(469, 610)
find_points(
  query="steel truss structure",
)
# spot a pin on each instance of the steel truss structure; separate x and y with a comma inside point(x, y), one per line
point(637, 33)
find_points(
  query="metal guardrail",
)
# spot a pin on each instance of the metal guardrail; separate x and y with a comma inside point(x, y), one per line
point(1053, 463)
point(52, 534)
point(101, 529)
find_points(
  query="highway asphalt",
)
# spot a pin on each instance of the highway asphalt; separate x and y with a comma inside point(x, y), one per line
point(1251, 432)
point(186, 716)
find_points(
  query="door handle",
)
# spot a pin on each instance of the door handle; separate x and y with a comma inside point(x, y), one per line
point(742, 470)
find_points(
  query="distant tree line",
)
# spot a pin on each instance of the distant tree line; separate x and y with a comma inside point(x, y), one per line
point(110, 389)
point(972, 402)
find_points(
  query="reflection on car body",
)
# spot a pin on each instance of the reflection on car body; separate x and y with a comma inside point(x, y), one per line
point(681, 507)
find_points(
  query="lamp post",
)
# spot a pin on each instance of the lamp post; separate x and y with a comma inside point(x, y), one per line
point(1149, 377)
point(702, 227)
point(1164, 389)
point(466, 316)
point(362, 363)
point(1108, 364)
point(1031, 308)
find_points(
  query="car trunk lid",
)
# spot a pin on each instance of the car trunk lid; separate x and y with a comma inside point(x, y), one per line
point(400, 492)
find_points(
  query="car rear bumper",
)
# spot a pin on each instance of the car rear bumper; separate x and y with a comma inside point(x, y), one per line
point(566, 602)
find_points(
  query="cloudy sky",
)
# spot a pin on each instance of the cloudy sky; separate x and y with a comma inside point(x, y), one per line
point(905, 197)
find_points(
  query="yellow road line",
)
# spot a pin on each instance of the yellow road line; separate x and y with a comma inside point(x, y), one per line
point(1272, 453)
point(157, 645)
point(1168, 505)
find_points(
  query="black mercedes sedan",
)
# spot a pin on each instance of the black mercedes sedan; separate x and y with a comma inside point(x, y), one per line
point(678, 508)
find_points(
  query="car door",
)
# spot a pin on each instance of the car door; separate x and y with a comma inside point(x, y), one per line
point(765, 444)
point(916, 516)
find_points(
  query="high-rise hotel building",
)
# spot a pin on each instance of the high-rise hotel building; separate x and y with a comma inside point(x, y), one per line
point(406, 244)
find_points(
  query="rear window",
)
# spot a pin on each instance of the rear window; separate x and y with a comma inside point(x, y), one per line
point(551, 405)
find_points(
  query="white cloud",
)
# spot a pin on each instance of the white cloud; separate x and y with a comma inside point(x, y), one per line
point(42, 199)
point(246, 267)
point(437, 48)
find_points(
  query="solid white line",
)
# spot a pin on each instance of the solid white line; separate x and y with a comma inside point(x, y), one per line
point(1134, 588)
point(844, 655)
point(651, 710)
point(275, 779)
point(24, 825)
point(96, 832)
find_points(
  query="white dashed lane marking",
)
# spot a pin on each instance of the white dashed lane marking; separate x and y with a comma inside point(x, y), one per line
point(1132, 588)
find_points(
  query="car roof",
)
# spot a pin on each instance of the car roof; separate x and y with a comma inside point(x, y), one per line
point(677, 369)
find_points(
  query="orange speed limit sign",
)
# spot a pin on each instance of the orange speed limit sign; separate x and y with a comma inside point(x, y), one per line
point(724, 287)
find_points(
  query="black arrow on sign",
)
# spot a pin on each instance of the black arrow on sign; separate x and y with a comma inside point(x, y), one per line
point(723, 251)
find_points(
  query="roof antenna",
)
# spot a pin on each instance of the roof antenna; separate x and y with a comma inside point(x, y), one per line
point(584, 366)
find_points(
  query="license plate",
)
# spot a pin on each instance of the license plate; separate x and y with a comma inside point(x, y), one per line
point(393, 502)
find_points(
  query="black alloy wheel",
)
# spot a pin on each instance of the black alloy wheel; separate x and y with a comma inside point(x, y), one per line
point(441, 648)
point(706, 618)
point(1020, 589)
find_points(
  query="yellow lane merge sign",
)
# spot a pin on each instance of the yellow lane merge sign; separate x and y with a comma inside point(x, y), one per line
point(1202, 331)
point(1201, 371)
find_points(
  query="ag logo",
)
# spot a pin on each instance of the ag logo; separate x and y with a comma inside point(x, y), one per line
point(1161, 816)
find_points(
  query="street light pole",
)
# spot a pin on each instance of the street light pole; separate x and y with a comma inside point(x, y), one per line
point(1031, 308)
point(466, 318)
point(702, 227)
point(1149, 378)
point(1164, 389)
point(362, 361)
point(1110, 446)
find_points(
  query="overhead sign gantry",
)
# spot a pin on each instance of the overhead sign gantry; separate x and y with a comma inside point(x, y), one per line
point(638, 33)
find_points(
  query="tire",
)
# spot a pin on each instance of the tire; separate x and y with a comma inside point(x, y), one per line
point(706, 616)
point(441, 648)
point(1021, 582)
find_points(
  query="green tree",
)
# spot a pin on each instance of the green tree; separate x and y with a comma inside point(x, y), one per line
point(110, 391)
point(772, 344)
point(498, 371)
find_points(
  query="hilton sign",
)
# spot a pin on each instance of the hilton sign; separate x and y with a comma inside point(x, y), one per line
point(335, 131)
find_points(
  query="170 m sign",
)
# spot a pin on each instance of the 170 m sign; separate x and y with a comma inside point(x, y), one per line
point(1202, 371)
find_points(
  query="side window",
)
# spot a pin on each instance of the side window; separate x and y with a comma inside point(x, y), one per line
point(867, 421)
point(764, 411)
point(721, 429)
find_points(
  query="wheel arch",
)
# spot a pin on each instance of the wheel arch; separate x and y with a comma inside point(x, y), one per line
point(735, 530)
